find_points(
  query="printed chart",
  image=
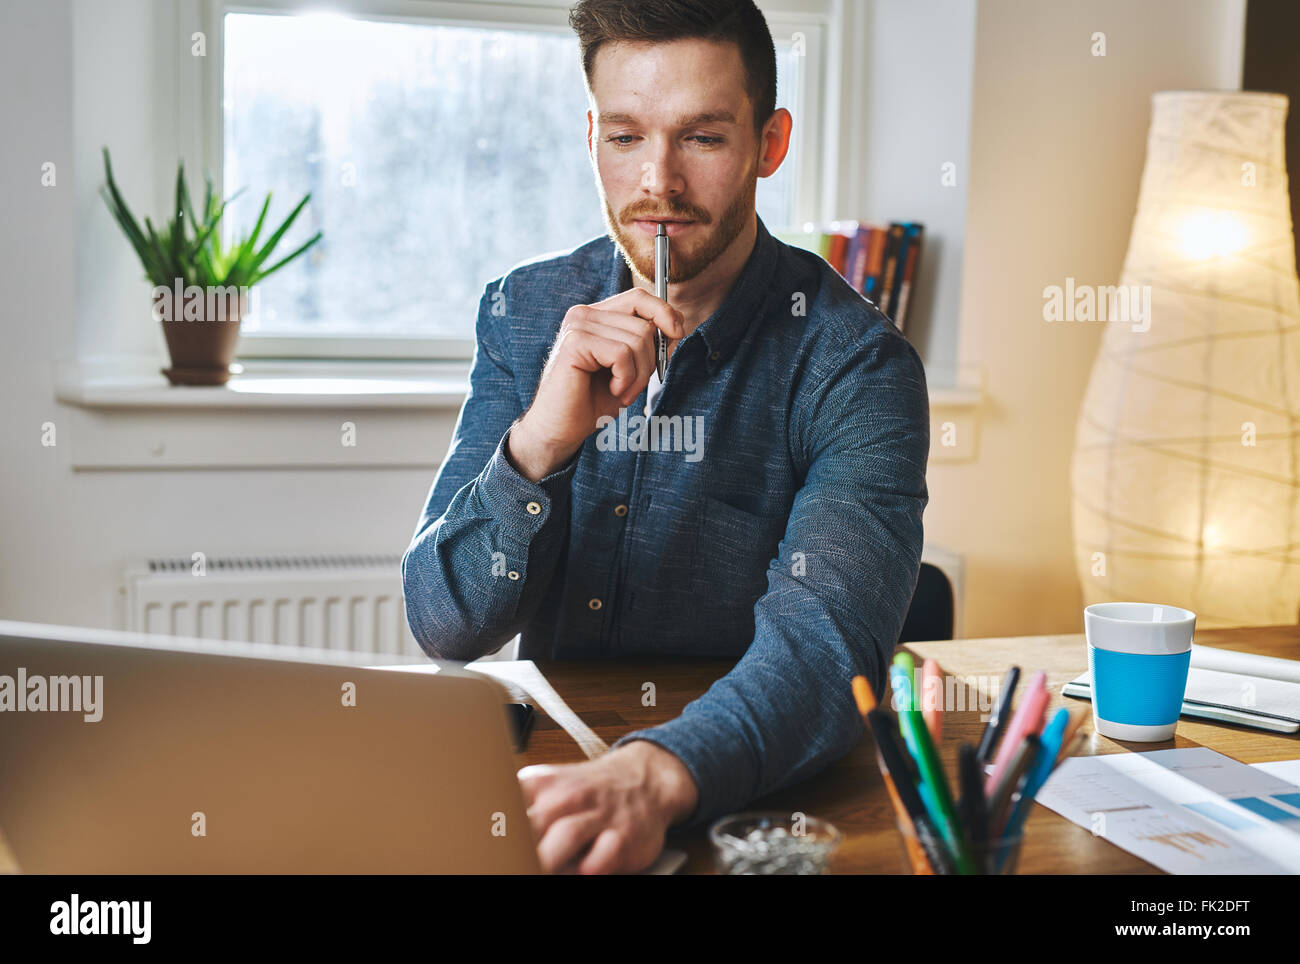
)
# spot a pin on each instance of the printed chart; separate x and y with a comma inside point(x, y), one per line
point(1187, 811)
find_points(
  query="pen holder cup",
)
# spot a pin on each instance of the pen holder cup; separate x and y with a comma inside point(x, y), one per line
point(998, 857)
point(772, 843)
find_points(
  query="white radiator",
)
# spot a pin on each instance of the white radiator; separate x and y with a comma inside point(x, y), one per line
point(329, 602)
point(350, 603)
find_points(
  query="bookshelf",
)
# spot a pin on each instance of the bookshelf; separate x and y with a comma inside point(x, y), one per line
point(881, 261)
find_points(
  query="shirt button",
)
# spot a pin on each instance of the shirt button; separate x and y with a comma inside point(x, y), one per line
point(512, 574)
point(594, 603)
point(534, 508)
point(620, 510)
point(714, 356)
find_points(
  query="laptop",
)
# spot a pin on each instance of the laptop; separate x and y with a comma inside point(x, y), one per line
point(157, 755)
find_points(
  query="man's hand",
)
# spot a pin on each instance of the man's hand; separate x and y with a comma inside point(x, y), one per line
point(602, 360)
point(608, 815)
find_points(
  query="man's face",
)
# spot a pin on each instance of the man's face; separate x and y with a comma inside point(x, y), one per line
point(673, 139)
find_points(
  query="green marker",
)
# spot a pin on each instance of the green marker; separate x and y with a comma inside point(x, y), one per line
point(933, 785)
point(904, 659)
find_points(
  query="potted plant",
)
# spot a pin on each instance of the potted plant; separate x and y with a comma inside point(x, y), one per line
point(200, 286)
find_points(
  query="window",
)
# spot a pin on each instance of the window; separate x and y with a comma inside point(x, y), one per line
point(437, 156)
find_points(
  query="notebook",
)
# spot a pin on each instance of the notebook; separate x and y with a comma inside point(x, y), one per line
point(1243, 688)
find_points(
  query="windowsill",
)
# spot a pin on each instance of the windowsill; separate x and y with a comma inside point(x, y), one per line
point(955, 397)
point(322, 414)
point(266, 384)
point(274, 415)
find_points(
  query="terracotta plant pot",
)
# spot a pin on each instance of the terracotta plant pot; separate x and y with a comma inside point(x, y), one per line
point(202, 349)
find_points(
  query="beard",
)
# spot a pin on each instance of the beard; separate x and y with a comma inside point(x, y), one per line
point(688, 258)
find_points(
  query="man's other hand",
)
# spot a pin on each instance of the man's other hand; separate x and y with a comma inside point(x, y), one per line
point(610, 814)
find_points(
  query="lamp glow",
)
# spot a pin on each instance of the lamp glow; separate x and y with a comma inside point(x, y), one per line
point(1212, 234)
point(1187, 452)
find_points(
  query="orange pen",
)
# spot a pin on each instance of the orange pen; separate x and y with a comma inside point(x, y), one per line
point(866, 700)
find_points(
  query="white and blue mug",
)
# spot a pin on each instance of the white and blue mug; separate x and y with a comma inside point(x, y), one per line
point(1138, 654)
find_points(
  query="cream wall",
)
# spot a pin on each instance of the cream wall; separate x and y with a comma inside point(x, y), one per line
point(1057, 146)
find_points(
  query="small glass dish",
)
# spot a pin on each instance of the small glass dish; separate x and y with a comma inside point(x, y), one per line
point(994, 857)
point(772, 842)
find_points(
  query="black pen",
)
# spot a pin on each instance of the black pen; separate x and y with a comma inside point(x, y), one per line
point(884, 730)
point(661, 292)
point(973, 806)
point(1001, 713)
point(1003, 797)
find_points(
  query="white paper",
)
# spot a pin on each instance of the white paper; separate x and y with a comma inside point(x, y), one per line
point(522, 678)
point(1288, 770)
point(525, 674)
point(1245, 664)
point(1187, 811)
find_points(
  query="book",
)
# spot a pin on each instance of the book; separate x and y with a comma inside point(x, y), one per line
point(846, 232)
point(875, 262)
point(890, 266)
point(855, 259)
point(839, 245)
point(880, 262)
point(890, 307)
point(1244, 688)
point(859, 267)
point(916, 235)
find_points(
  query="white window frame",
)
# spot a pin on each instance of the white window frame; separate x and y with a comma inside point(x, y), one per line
point(200, 123)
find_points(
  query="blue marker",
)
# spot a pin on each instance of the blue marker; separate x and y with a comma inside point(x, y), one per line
point(1038, 773)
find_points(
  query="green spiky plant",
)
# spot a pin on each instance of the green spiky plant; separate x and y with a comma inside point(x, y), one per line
point(189, 249)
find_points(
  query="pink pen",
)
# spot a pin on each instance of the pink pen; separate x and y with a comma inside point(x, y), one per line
point(932, 698)
point(1028, 719)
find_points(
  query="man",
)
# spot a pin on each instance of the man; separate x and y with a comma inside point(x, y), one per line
point(772, 513)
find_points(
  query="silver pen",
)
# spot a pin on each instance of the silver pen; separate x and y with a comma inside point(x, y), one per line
point(661, 292)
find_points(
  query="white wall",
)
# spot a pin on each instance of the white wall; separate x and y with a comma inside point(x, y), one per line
point(117, 52)
point(916, 82)
point(66, 536)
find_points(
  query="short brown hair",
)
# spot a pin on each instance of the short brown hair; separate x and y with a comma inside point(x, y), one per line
point(659, 21)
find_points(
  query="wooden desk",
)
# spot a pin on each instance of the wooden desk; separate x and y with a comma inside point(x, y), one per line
point(850, 793)
point(607, 695)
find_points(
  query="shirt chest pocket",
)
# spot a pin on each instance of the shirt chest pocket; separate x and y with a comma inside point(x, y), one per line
point(732, 551)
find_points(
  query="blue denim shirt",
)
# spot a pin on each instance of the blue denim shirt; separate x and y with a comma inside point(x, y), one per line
point(789, 541)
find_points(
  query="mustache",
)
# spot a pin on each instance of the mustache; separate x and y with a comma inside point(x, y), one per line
point(643, 213)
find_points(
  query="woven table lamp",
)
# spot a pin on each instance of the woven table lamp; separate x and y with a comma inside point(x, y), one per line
point(1186, 459)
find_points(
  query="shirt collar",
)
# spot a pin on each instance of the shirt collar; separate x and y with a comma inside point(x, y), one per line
point(722, 331)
